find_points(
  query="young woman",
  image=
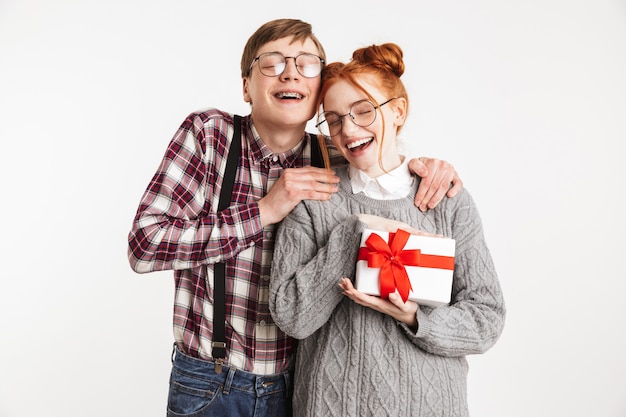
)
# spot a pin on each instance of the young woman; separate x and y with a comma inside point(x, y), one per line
point(360, 354)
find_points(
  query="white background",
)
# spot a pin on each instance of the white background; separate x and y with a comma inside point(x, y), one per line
point(526, 98)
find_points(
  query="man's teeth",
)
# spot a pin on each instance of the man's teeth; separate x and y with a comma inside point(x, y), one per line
point(289, 95)
point(358, 143)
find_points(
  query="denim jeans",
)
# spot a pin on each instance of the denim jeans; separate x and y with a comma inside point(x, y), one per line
point(196, 390)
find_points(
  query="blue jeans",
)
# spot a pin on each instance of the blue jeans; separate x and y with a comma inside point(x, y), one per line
point(196, 390)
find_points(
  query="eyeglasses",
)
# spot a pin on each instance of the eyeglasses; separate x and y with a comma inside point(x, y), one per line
point(362, 113)
point(272, 64)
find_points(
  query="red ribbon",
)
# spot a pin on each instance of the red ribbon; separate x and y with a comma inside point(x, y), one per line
point(392, 259)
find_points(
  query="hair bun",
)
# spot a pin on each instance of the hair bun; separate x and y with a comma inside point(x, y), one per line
point(385, 56)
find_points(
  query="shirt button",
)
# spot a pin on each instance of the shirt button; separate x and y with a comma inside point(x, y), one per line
point(262, 323)
point(266, 277)
point(274, 158)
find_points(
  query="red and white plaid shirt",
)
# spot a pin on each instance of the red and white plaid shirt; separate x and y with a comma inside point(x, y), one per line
point(176, 227)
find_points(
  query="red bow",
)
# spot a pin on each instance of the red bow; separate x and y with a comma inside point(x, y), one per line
point(391, 259)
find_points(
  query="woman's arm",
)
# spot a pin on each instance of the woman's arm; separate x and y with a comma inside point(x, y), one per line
point(308, 265)
point(474, 320)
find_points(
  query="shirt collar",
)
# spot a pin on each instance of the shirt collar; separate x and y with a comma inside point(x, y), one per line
point(395, 184)
point(262, 154)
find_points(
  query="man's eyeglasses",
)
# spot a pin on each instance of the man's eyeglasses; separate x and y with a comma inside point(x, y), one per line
point(362, 113)
point(272, 64)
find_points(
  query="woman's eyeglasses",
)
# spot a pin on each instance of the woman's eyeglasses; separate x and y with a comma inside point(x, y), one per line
point(362, 113)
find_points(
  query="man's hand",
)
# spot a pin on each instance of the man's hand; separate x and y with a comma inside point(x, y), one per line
point(293, 186)
point(437, 176)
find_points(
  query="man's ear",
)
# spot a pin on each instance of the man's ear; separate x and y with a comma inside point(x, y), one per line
point(246, 95)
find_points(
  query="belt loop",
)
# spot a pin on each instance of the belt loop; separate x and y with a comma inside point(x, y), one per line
point(229, 380)
point(173, 351)
point(287, 379)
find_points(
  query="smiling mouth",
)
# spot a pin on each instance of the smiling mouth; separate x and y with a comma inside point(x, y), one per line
point(289, 95)
point(359, 144)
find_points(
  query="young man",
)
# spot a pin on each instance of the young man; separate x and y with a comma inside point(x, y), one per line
point(178, 226)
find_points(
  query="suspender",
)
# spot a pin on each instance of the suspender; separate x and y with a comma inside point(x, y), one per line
point(219, 272)
point(317, 160)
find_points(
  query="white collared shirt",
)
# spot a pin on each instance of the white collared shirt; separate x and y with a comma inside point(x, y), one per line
point(395, 184)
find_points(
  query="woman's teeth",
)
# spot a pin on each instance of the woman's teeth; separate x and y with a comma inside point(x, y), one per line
point(358, 143)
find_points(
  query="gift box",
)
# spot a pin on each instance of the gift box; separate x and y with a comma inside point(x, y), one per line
point(419, 267)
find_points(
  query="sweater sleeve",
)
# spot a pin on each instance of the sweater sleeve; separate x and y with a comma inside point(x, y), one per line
point(308, 265)
point(474, 320)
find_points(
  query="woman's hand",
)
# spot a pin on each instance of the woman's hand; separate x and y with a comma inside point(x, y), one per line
point(394, 306)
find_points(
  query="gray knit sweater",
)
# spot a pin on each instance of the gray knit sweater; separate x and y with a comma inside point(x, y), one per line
point(354, 361)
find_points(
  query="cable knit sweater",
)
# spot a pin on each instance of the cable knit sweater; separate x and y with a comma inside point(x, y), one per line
point(354, 361)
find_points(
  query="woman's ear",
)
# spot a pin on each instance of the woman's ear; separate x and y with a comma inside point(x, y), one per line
point(399, 106)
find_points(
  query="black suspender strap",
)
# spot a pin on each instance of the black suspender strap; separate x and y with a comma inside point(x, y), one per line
point(317, 160)
point(219, 270)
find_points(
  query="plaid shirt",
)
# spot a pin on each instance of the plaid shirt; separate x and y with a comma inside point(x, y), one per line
point(176, 227)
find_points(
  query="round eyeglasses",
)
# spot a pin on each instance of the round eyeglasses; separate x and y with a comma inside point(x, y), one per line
point(272, 64)
point(362, 113)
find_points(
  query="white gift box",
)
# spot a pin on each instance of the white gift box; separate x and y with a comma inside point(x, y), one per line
point(430, 274)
